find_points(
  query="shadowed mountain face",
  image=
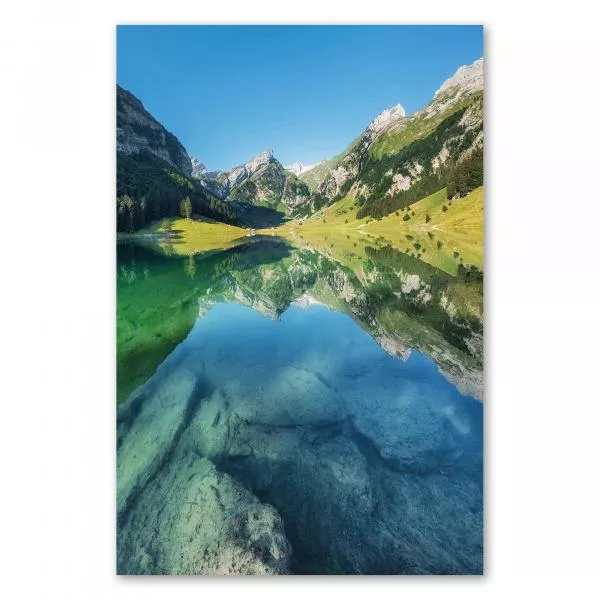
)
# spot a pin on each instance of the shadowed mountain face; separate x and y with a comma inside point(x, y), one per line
point(298, 411)
point(138, 130)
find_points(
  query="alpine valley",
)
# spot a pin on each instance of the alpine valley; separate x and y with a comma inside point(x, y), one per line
point(395, 162)
point(300, 350)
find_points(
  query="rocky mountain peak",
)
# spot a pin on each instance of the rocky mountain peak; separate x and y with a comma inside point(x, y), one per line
point(237, 175)
point(248, 169)
point(388, 116)
point(259, 160)
point(349, 165)
point(469, 78)
point(198, 168)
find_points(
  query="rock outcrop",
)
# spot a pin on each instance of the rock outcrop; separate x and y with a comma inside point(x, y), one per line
point(350, 163)
point(262, 181)
point(224, 183)
point(138, 130)
point(177, 514)
point(468, 78)
point(369, 469)
point(386, 118)
point(198, 168)
point(247, 170)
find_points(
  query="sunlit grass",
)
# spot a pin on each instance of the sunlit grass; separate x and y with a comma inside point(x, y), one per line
point(440, 233)
point(445, 239)
point(193, 236)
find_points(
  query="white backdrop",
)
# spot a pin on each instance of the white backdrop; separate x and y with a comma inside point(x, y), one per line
point(57, 529)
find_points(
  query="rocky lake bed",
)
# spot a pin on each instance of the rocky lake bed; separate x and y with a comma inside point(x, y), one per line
point(292, 442)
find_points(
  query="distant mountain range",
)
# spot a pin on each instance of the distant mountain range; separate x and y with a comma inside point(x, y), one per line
point(396, 160)
point(262, 181)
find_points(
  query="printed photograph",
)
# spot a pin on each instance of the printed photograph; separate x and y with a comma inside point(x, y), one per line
point(299, 279)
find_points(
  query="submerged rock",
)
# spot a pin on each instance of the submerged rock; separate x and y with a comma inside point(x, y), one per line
point(193, 520)
point(176, 513)
point(404, 422)
point(371, 464)
point(362, 493)
point(320, 484)
point(346, 509)
point(148, 427)
point(292, 398)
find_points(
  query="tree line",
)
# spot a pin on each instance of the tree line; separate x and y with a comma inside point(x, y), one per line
point(467, 175)
point(149, 189)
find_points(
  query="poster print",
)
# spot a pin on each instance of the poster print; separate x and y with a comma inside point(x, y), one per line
point(299, 214)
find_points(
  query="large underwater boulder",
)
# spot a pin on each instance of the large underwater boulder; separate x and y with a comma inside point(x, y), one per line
point(193, 520)
point(148, 425)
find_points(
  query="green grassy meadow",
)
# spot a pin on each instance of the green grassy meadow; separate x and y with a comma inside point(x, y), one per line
point(441, 233)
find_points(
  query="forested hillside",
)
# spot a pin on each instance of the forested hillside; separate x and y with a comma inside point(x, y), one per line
point(148, 188)
point(154, 172)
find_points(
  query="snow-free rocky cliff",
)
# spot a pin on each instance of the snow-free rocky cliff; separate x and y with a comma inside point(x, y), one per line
point(385, 119)
point(199, 170)
point(240, 174)
point(260, 181)
point(467, 78)
point(350, 162)
point(221, 184)
point(138, 130)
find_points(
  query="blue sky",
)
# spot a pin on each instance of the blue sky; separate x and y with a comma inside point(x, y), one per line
point(229, 92)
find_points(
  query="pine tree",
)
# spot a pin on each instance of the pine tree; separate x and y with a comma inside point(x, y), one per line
point(129, 209)
point(187, 208)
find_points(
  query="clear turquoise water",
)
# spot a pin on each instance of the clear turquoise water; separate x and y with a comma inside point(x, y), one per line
point(280, 398)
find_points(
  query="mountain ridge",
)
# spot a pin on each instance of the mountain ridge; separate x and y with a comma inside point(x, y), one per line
point(390, 163)
point(395, 160)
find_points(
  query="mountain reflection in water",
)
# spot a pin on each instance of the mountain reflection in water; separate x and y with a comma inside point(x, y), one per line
point(286, 410)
